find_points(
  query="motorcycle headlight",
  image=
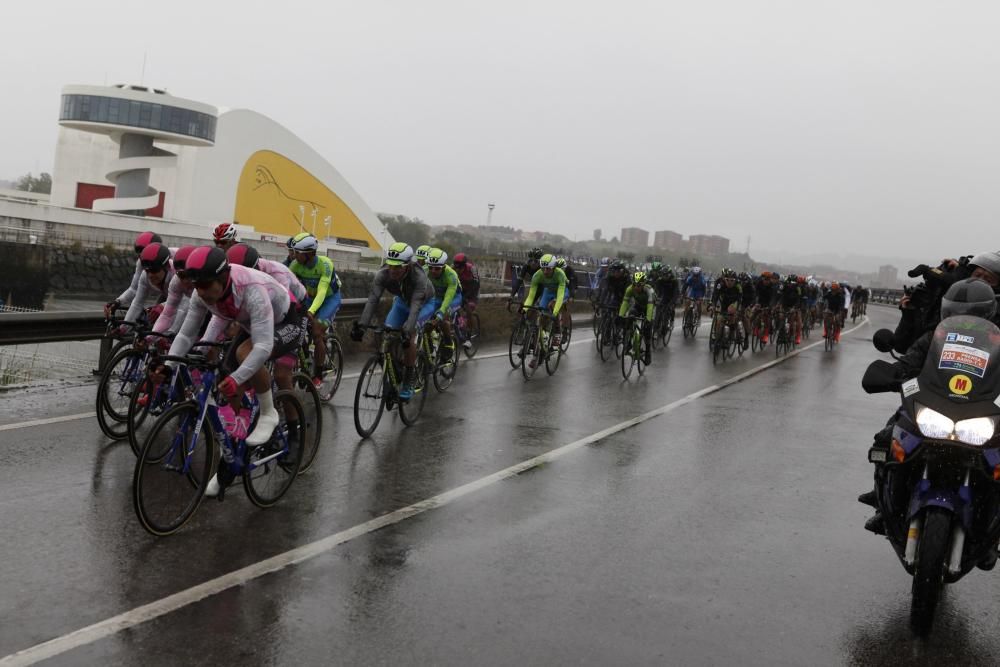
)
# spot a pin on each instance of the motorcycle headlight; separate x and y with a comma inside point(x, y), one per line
point(975, 431)
point(933, 424)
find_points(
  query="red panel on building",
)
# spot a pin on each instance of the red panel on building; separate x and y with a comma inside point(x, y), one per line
point(86, 193)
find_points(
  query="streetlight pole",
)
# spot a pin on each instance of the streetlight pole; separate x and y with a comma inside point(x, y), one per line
point(302, 217)
point(489, 213)
point(326, 221)
point(314, 221)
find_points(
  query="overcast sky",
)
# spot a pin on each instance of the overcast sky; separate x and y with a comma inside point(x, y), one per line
point(808, 125)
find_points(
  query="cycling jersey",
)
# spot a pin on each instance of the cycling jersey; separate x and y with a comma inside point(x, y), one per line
point(749, 294)
point(571, 283)
point(789, 294)
point(126, 297)
point(767, 293)
point(319, 279)
point(447, 290)
point(727, 295)
point(523, 275)
point(554, 287)
point(666, 286)
point(260, 305)
point(468, 277)
point(639, 298)
point(413, 293)
point(695, 286)
point(613, 289)
point(174, 308)
point(285, 277)
point(145, 288)
point(834, 301)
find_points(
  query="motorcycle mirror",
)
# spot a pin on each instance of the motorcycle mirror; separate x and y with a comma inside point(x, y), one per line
point(882, 340)
point(880, 377)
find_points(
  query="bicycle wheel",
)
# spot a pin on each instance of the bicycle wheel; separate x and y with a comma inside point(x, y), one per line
point(530, 351)
point(669, 329)
point(444, 372)
point(410, 410)
point(312, 429)
point(627, 361)
point(515, 345)
point(472, 333)
point(114, 391)
point(172, 471)
point(270, 469)
point(369, 397)
point(607, 339)
point(658, 326)
point(567, 335)
point(145, 404)
point(643, 348)
point(333, 367)
point(553, 353)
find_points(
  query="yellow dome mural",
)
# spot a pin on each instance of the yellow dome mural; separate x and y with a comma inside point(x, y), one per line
point(277, 196)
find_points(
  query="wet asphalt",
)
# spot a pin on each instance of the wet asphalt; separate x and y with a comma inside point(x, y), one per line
point(725, 531)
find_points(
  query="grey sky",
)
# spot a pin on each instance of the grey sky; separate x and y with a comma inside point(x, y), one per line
point(809, 125)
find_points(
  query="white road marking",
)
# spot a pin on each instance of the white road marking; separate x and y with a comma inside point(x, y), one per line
point(171, 603)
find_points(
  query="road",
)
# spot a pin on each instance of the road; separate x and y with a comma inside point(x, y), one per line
point(722, 528)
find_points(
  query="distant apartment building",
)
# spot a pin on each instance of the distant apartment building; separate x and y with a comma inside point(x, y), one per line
point(888, 276)
point(667, 240)
point(710, 245)
point(633, 236)
point(597, 234)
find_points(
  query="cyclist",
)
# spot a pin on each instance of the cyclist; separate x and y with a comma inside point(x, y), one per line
point(664, 282)
point(421, 255)
point(834, 305)
point(747, 301)
point(638, 302)
point(524, 274)
point(179, 292)
point(468, 278)
point(317, 274)
point(447, 297)
point(552, 281)
point(571, 285)
point(157, 273)
point(125, 298)
point(246, 255)
point(291, 251)
point(766, 288)
point(613, 287)
point(269, 328)
point(225, 236)
point(694, 290)
point(789, 296)
point(727, 296)
point(412, 306)
point(598, 276)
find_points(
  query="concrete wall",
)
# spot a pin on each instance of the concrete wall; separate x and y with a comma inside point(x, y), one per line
point(24, 275)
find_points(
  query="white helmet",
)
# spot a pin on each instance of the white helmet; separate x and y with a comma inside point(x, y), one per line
point(304, 242)
point(695, 270)
point(436, 257)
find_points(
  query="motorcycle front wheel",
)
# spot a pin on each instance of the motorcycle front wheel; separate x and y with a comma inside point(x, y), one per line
point(928, 571)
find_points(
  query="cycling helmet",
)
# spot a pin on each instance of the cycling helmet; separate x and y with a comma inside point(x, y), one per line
point(561, 263)
point(617, 265)
point(437, 258)
point(535, 253)
point(969, 297)
point(304, 242)
point(696, 270)
point(728, 273)
point(225, 232)
point(605, 261)
point(459, 259)
point(638, 277)
point(399, 254)
point(801, 280)
point(145, 239)
point(422, 251)
point(243, 254)
point(290, 242)
point(180, 257)
point(547, 261)
point(835, 287)
point(154, 257)
point(206, 263)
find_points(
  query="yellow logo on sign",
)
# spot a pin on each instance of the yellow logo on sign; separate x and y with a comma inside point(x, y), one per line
point(960, 384)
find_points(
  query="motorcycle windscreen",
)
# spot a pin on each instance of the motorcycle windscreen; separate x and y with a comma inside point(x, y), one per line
point(962, 361)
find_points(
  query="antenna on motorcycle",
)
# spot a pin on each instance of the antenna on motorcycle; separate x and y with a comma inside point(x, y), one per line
point(882, 340)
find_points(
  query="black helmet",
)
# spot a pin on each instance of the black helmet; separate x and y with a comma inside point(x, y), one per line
point(154, 257)
point(244, 254)
point(535, 253)
point(206, 263)
point(969, 297)
point(145, 239)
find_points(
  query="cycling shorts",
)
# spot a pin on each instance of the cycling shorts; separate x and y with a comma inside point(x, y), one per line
point(455, 304)
point(401, 312)
point(328, 311)
point(548, 296)
point(287, 337)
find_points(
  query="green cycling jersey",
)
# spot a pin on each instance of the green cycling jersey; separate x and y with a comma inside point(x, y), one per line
point(446, 286)
point(319, 279)
point(556, 282)
point(642, 297)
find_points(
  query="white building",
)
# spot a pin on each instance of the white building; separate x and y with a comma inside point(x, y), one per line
point(170, 161)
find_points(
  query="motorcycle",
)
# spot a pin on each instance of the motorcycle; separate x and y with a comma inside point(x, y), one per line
point(938, 480)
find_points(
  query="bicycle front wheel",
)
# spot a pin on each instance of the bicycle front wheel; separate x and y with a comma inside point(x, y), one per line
point(530, 352)
point(472, 334)
point(172, 471)
point(553, 354)
point(410, 410)
point(369, 397)
point(312, 427)
point(628, 360)
point(122, 374)
point(145, 405)
point(270, 469)
point(333, 367)
point(515, 345)
point(444, 372)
